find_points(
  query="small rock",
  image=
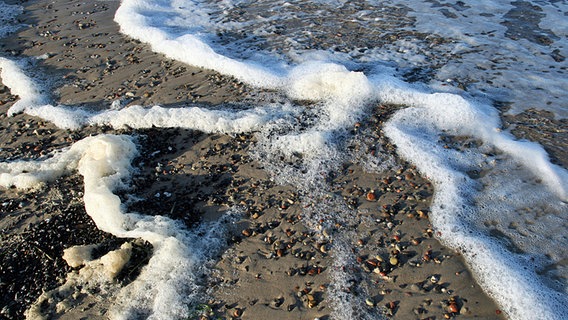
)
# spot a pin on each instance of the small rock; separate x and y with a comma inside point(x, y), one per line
point(393, 261)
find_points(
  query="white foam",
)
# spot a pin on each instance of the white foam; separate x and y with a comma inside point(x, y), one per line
point(508, 278)
point(344, 93)
point(311, 81)
point(33, 102)
point(20, 84)
point(224, 121)
point(167, 286)
point(463, 207)
point(135, 18)
point(484, 57)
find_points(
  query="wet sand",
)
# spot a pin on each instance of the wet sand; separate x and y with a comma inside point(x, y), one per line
point(278, 261)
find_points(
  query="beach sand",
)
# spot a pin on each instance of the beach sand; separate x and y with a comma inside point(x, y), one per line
point(275, 265)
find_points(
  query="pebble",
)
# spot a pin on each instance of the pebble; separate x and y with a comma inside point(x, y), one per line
point(393, 261)
point(237, 313)
point(453, 307)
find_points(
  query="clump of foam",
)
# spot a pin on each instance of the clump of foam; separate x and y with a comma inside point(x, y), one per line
point(78, 255)
point(344, 93)
point(320, 81)
point(98, 274)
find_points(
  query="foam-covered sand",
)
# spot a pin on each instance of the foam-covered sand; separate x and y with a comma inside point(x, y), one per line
point(261, 190)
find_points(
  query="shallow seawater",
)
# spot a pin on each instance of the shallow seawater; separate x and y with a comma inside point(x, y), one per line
point(498, 201)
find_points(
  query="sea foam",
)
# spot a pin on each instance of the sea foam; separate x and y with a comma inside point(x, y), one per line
point(167, 286)
point(460, 205)
point(465, 210)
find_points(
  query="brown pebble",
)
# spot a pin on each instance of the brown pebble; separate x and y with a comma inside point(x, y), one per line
point(453, 307)
point(247, 232)
point(312, 303)
point(371, 196)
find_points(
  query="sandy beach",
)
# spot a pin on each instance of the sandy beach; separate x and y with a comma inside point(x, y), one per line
point(278, 259)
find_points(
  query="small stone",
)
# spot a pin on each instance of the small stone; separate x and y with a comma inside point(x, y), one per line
point(277, 302)
point(453, 307)
point(371, 196)
point(434, 279)
point(393, 261)
point(312, 303)
point(370, 302)
point(237, 313)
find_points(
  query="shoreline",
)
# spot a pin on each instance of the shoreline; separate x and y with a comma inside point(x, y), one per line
point(272, 254)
